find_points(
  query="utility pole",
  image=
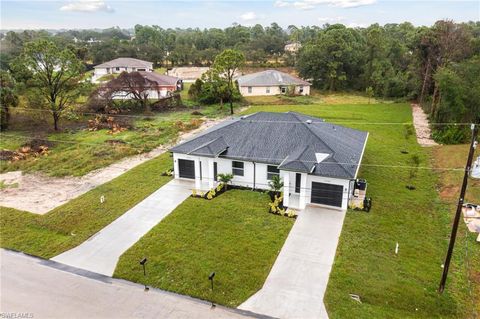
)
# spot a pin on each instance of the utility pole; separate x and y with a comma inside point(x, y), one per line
point(459, 209)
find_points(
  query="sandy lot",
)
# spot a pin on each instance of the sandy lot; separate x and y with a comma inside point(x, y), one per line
point(38, 193)
point(422, 129)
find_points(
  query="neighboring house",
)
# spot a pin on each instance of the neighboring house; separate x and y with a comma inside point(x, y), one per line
point(317, 161)
point(293, 47)
point(155, 85)
point(271, 82)
point(120, 65)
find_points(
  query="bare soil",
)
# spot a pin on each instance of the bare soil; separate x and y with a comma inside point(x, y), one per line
point(422, 128)
point(38, 193)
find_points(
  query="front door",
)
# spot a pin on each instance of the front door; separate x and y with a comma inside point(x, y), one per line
point(215, 172)
point(298, 182)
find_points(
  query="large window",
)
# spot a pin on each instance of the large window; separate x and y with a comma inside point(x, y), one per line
point(283, 89)
point(272, 171)
point(267, 90)
point(249, 89)
point(238, 168)
point(300, 90)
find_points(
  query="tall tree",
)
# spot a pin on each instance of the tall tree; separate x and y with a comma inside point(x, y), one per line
point(54, 74)
point(226, 65)
point(8, 98)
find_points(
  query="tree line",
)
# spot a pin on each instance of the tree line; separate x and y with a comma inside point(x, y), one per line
point(437, 66)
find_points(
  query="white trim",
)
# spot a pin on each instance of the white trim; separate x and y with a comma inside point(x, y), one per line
point(361, 156)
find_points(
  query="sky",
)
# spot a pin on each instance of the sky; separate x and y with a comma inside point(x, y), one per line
point(88, 14)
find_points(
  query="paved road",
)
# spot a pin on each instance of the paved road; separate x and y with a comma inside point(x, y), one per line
point(101, 252)
point(39, 288)
point(297, 282)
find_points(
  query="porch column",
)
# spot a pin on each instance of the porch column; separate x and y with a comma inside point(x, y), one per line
point(210, 173)
point(198, 182)
point(303, 192)
point(175, 167)
point(286, 189)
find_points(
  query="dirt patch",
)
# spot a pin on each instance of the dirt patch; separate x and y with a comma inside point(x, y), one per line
point(422, 128)
point(39, 194)
point(449, 191)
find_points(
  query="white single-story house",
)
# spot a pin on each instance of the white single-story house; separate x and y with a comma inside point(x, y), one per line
point(293, 47)
point(161, 86)
point(317, 161)
point(117, 66)
point(271, 82)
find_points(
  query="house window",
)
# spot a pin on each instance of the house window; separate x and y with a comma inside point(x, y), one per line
point(237, 168)
point(272, 171)
point(249, 89)
point(117, 69)
point(300, 90)
point(283, 89)
point(267, 89)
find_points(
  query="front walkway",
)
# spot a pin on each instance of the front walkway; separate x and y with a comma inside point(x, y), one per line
point(297, 282)
point(37, 288)
point(101, 252)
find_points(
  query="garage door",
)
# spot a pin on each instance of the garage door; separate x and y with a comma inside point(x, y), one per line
point(327, 194)
point(186, 169)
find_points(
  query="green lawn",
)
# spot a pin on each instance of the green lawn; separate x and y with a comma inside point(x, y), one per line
point(239, 242)
point(391, 286)
point(71, 224)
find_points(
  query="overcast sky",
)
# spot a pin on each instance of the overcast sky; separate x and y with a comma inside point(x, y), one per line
point(84, 14)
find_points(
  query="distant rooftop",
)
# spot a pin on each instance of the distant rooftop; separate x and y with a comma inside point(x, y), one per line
point(126, 62)
point(270, 78)
point(292, 141)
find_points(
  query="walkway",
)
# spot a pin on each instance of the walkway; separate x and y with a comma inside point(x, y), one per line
point(37, 288)
point(297, 282)
point(422, 128)
point(101, 252)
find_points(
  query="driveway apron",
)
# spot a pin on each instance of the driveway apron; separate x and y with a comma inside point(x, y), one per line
point(100, 253)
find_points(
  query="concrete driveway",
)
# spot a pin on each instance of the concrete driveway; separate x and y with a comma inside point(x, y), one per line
point(100, 253)
point(36, 288)
point(297, 282)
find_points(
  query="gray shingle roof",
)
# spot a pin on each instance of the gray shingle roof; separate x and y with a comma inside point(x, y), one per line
point(126, 63)
point(270, 78)
point(290, 140)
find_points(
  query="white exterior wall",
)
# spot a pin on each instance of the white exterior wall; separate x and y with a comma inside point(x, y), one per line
point(225, 166)
point(99, 72)
point(152, 94)
point(274, 90)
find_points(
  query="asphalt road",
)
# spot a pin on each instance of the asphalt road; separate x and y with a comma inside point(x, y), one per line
point(35, 288)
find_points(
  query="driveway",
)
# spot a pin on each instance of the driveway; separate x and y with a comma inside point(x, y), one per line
point(37, 288)
point(100, 253)
point(297, 282)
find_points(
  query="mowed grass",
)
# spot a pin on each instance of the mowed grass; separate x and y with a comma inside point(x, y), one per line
point(71, 224)
point(389, 285)
point(232, 235)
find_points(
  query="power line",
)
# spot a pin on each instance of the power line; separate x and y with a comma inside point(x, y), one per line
point(246, 119)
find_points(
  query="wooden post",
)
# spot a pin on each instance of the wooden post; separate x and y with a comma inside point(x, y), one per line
point(459, 210)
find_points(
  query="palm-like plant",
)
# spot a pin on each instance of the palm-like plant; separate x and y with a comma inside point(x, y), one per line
point(276, 184)
point(225, 179)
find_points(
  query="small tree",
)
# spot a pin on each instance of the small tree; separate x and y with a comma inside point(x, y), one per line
point(225, 178)
point(133, 85)
point(369, 91)
point(8, 98)
point(54, 73)
point(226, 65)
